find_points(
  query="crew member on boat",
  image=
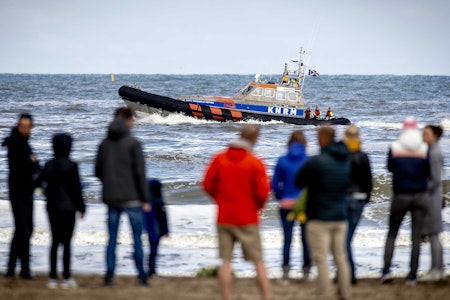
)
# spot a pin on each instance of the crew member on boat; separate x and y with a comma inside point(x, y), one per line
point(329, 114)
point(285, 78)
point(308, 113)
point(316, 113)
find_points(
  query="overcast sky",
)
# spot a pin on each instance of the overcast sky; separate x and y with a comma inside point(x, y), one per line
point(227, 36)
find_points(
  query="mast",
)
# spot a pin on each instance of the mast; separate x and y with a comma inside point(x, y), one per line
point(301, 71)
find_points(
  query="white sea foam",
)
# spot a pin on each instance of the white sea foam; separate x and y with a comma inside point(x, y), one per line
point(169, 119)
point(179, 118)
point(444, 122)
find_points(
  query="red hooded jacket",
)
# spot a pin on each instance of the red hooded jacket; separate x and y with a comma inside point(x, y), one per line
point(238, 183)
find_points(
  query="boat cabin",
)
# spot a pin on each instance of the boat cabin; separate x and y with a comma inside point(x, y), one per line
point(270, 94)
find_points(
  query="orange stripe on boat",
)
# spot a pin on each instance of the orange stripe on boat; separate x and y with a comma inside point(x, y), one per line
point(217, 113)
point(264, 86)
point(196, 110)
point(236, 114)
point(195, 106)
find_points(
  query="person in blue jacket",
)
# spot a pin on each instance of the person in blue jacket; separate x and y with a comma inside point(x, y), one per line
point(155, 222)
point(285, 191)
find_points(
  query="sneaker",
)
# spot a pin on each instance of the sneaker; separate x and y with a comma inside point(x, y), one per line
point(285, 277)
point(433, 275)
point(386, 277)
point(306, 272)
point(52, 284)
point(411, 279)
point(69, 284)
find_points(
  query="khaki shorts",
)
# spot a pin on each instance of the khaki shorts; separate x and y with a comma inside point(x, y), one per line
point(248, 236)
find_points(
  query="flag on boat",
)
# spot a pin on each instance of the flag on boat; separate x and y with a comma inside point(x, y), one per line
point(313, 73)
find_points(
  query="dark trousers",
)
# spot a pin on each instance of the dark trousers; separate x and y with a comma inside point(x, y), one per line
point(62, 224)
point(22, 208)
point(288, 227)
point(354, 211)
point(401, 204)
point(152, 257)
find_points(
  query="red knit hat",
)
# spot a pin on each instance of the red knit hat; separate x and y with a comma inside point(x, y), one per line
point(410, 123)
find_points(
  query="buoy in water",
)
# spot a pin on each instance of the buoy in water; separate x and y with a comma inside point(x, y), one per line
point(112, 77)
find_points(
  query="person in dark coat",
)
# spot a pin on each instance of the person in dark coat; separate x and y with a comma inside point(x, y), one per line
point(327, 176)
point(409, 163)
point(61, 182)
point(23, 165)
point(358, 192)
point(120, 165)
point(155, 222)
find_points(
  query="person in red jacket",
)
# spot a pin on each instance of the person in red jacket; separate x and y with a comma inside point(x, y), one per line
point(237, 181)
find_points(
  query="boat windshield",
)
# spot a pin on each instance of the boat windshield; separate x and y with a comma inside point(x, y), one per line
point(247, 89)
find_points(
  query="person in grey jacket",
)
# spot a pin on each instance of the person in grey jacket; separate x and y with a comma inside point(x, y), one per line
point(120, 166)
point(433, 219)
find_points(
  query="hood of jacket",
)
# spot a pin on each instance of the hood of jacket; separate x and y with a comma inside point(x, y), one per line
point(296, 151)
point(238, 149)
point(62, 144)
point(338, 150)
point(118, 129)
point(410, 140)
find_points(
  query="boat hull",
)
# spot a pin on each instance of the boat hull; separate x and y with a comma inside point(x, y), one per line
point(146, 102)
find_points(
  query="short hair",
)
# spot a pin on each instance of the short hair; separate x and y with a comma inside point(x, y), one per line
point(26, 116)
point(437, 130)
point(123, 112)
point(297, 137)
point(352, 133)
point(327, 133)
point(250, 132)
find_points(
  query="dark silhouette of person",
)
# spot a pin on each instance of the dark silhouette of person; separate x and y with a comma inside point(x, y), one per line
point(61, 182)
point(155, 222)
point(22, 166)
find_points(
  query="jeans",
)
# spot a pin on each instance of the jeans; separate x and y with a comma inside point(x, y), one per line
point(135, 217)
point(288, 227)
point(323, 237)
point(354, 211)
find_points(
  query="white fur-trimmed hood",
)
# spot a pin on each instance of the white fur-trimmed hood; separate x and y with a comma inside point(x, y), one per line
point(410, 144)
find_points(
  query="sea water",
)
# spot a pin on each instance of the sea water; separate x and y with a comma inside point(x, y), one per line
point(177, 149)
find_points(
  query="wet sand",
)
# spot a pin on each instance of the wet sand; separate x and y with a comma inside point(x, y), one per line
point(125, 287)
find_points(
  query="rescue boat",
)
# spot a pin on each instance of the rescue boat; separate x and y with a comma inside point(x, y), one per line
point(258, 100)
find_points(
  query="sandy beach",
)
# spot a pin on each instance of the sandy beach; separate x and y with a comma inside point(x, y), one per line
point(125, 287)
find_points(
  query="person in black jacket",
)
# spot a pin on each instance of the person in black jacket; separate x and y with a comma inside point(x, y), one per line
point(327, 177)
point(22, 167)
point(61, 182)
point(155, 223)
point(358, 192)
